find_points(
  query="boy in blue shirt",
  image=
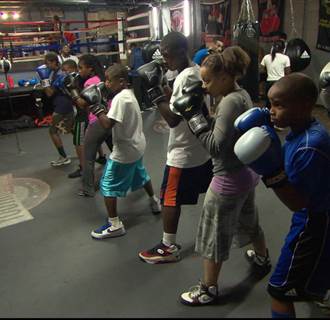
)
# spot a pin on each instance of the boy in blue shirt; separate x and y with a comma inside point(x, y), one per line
point(299, 174)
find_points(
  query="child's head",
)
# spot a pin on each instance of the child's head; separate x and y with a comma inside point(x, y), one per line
point(277, 47)
point(89, 66)
point(292, 99)
point(116, 78)
point(174, 49)
point(220, 71)
point(69, 66)
point(51, 61)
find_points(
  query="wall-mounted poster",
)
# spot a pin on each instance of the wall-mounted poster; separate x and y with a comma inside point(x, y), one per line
point(323, 38)
point(271, 14)
point(177, 18)
point(216, 19)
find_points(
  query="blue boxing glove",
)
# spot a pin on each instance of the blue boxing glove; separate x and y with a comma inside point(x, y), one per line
point(58, 83)
point(22, 82)
point(254, 117)
point(44, 74)
point(260, 149)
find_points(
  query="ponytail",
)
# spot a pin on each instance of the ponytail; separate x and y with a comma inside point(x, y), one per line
point(233, 60)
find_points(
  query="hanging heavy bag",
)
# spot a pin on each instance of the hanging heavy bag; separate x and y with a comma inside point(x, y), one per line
point(246, 35)
point(299, 53)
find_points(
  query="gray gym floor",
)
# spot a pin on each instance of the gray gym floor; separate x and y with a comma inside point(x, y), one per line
point(51, 267)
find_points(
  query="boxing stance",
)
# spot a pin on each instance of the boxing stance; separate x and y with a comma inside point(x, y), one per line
point(51, 78)
point(124, 169)
point(229, 211)
point(299, 174)
point(188, 169)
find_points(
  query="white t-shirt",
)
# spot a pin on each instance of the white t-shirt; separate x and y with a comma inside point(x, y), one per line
point(70, 57)
point(326, 68)
point(275, 68)
point(128, 139)
point(184, 149)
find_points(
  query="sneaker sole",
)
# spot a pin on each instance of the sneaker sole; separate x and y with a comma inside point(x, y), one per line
point(157, 260)
point(186, 303)
point(109, 235)
point(58, 165)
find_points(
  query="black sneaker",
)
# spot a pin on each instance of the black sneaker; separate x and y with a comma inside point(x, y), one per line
point(261, 265)
point(101, 160)
point(75, 174)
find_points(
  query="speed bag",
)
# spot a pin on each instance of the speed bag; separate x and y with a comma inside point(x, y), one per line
point(299, 53)
point(246, 35)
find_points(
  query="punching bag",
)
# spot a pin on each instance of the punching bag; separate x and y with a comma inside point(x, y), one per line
point(299, 53)
point(246, 35)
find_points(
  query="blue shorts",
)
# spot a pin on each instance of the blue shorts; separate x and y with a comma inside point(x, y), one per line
point(302, 272)
point(118, 178)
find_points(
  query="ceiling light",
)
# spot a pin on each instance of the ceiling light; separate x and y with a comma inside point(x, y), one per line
point(4, 15)
point(16, 15)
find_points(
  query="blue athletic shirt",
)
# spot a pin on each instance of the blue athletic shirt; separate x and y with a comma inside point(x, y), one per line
point(307, 165)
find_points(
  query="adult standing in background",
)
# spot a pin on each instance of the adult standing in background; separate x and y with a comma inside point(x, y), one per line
point(65, 54)
point(276, 65)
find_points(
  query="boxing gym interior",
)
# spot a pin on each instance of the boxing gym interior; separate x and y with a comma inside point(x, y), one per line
point(50, 266)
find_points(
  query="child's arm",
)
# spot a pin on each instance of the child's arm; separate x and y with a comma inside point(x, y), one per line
point(171, 118)
point(106, 123)
point(291, 197)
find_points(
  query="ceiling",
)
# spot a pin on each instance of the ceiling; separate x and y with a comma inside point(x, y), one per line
point(15, 4)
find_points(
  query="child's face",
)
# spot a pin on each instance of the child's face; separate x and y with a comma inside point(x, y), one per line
point(115, 85)
point(285, 110)
point(68, 69)
point(211, 82)
point(171, 59)
point(214, 83)
point(52, 65)
point(84, 71)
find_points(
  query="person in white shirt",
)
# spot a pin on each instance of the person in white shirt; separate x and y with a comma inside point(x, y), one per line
point(188, 169)
point(124, 169)
point(65, 54)
point(276, 64)
point(324, 86)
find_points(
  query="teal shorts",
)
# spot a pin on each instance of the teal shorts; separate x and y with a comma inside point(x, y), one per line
point(118, 178)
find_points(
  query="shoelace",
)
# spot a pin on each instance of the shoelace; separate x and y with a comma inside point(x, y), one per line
point(105, 226)
point(197, 291)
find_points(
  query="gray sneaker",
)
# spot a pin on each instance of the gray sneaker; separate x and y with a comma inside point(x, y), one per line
point(60, 161)
point(200, 295)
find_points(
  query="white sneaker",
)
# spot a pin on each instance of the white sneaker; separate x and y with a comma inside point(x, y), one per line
point(60, 161)
point(109, 231)
point(155, 205)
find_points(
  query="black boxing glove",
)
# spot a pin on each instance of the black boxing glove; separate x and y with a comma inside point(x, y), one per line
point(93, 96)
point(71, 85)
point(152, 77)
point(191, 106)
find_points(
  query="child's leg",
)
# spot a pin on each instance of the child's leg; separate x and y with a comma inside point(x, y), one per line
point(211, 272)
point(111, 205)
point(281, 309)
point(149, 189)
